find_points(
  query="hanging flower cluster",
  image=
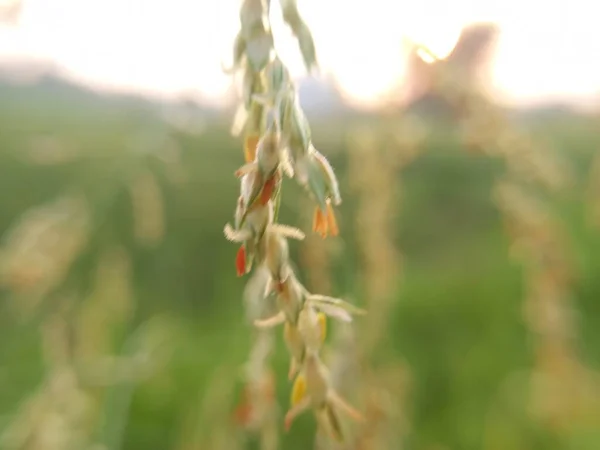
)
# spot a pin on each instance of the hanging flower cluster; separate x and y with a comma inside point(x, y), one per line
point(277, 144)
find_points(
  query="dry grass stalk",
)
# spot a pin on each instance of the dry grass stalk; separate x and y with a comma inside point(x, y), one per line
point(260, 411)
point(57, 416)
point(561, 385)
point(40, 248)
point(208, 425)
point(376, 160)
point(77, 342)
point(77, 338)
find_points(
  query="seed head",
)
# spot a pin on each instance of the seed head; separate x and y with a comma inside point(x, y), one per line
point(277, 141)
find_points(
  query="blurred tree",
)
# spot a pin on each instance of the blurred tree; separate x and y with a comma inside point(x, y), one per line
point(471, 57)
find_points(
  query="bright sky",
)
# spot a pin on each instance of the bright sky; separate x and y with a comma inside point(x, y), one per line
point(548, 50)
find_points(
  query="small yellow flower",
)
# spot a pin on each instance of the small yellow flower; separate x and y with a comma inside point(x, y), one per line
point(298, 390)
point(322, 323)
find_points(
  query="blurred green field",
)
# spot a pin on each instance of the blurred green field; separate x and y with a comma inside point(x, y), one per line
point(457, 322)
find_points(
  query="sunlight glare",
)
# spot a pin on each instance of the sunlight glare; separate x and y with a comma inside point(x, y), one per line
point(165, 49)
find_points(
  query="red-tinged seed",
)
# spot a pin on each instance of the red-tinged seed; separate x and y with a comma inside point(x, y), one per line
point(243, 412)
point(240, 261)
point(267, 191)
point(279, 287)
point(287, 424)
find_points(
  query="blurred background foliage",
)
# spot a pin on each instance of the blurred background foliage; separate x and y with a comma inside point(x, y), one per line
point(144, 191)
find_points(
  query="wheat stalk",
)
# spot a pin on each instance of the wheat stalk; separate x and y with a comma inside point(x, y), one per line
point(377, 157)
